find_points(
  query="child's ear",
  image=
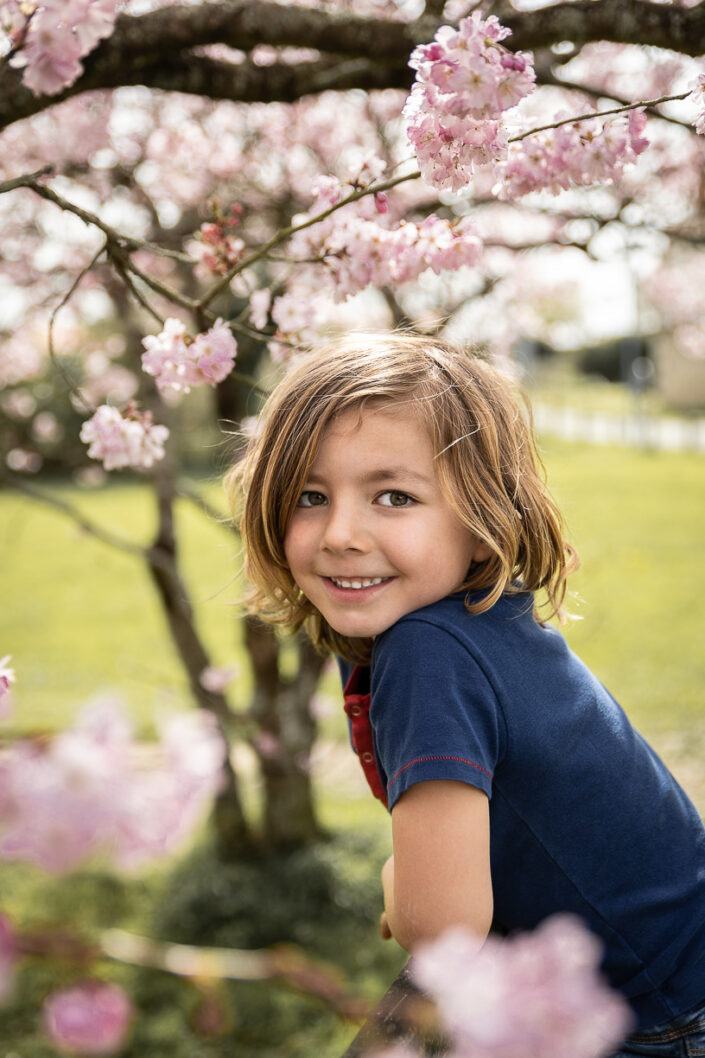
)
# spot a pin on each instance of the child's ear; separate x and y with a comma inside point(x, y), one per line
point(481, 552)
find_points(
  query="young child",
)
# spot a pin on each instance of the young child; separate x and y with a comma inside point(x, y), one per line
point(394, 506)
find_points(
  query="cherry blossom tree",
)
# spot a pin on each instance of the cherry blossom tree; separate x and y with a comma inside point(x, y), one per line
point(205, 233)
point(192, 192)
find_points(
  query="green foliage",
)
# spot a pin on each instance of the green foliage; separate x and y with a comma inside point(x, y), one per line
point(325, 899)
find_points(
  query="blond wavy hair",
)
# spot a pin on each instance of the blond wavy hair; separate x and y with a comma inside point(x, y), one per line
point(486, 457)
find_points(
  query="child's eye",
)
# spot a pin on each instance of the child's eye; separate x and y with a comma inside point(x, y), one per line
point(309, 498)
point(394, 498)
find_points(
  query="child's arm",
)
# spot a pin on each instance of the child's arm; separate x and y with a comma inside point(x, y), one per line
point(439, 875)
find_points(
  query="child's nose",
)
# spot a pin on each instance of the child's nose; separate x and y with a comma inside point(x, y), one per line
point(344, 530)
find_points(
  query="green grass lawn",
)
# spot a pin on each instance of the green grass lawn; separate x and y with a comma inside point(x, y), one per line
point(81, 617)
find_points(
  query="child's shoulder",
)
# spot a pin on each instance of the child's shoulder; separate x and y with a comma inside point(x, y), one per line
point(448, 625)
point(452, 612)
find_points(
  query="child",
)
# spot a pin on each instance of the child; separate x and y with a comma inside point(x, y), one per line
point(394, 507)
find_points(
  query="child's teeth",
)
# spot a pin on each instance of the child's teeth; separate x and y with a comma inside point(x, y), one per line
point(357, 583)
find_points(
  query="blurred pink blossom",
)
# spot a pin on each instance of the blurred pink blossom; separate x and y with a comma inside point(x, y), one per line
point(92, 1018)
point(578, 154)
point(360, 247)
point(128, 439)
point(58, 35)
point(216, 679)
point(7, 676)
point(260, 303)
point(92, 791)
point(536, 993)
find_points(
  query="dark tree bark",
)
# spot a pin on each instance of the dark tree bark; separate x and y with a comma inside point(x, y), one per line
point(157, 49)
point(282, 709)
point(233, 834)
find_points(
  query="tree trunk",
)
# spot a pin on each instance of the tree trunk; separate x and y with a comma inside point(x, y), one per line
point(282, 709)
point(233, 834)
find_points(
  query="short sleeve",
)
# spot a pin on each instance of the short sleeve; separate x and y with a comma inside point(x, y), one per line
point(434, 713)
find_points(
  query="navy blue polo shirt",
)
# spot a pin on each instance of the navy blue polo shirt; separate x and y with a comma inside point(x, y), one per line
point(584, 816)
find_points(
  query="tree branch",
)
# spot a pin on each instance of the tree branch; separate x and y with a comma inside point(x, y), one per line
point(68, 509)
point(622, 21)
point(157, 49)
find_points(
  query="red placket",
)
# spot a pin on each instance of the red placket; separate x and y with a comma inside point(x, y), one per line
point(357, 708)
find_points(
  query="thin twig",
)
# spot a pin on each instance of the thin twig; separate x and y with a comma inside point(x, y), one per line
point(285, 233)
point(127, 242)
point(187, 492)
point(73, 388)
point(118, 252)
point(600, 114)
point(124, 274)
point(283, 963)
point(22, 181)
point(48, 500)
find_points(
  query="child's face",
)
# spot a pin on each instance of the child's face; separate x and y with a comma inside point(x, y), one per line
point(373, 536)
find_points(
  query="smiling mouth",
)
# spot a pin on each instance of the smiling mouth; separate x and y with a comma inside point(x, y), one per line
point(358, 583)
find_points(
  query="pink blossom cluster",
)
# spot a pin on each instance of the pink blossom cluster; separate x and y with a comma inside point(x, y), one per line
point(465, 79)
point(179, 362)
point(299, 315)
point(220, 249)
point(124, 440)
point(59, 33)
point(360, 246)
point(7, 676)
point(576, 154)
point(91, 1018)
point(537, 993)
point(92, 791)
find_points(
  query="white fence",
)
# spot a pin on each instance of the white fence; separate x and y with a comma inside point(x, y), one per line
point(639, 429)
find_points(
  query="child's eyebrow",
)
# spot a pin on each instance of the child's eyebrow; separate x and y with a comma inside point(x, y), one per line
point(393, 473)
point(383, 474)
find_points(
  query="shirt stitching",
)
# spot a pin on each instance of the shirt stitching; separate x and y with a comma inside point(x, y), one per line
point(446, 756)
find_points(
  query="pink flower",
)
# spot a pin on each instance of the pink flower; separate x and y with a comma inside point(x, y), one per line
point(124, 440)
point(465, 79)
point(12, 20)
point(50, 57)
point(92, 20)
point(178, 363)
point(7, 676)
point(538, 993)
point(214, 353)
point(91, 1018)
point(8, 956)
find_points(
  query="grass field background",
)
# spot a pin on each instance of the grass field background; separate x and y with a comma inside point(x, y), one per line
point(81, 617)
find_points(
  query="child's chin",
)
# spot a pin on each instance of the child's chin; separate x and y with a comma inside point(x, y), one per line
point(362, 631)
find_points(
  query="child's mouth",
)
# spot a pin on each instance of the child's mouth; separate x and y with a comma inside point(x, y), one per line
point(357, 583)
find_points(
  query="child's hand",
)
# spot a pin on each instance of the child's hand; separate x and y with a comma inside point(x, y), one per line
point(384, 930)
